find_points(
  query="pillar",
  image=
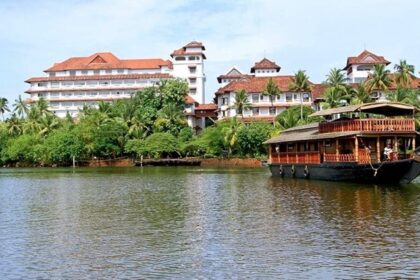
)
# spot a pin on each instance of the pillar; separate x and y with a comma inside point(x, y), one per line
point(378, 149)
point(356, 149)
point(336, 150)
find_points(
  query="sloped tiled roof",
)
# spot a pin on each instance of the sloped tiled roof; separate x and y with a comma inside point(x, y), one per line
point(257, 84)
point(209, 106)
point(183, 50)
point(190, 100)
point(366, 57)
point(195, 44)
point(232, 74)
point(265, 64)
point(107, 60)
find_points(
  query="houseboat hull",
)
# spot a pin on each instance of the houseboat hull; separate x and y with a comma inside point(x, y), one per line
point(399, 171)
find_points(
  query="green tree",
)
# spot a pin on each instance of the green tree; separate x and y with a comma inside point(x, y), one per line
point(250, 139)
point(14, 125)
point(20, 107)
point(336, 79)
point(241, 102)
point(360, 95)
point(272, 91)
point(23, 149)
point(334, 97)
point(300, 84)
point(230, 132)
point(173, 91)
point(3, 106)
point(291, 117)
point(379, 79)
point(41, 107)
point(404, 73)
point(160, 144)
point(62, 145)
point(171, 119)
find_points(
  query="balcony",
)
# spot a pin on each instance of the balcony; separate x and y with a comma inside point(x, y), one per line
point(371, 125)
point(296, 157)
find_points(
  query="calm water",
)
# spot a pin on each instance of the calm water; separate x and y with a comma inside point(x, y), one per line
point(202, 223)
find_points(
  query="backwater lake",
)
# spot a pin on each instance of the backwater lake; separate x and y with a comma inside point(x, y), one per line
point(202, 223)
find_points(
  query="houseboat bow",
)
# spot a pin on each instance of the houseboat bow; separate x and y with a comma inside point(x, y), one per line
point(373, 142)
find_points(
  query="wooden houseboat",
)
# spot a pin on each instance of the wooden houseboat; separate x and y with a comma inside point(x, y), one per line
point(372, 142)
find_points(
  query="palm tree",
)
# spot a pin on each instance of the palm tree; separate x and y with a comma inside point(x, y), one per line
point(360, 95)
point(336, 78)
point(42, 107)
point(241, 102)
point(272, 91)
point(300, 84)
point(14, 125)
point(333, 97)
point(3, 106)
point(404, 95)
point(231, 134)
point(379, 80)
point(404, 72)
point(47, 124)
point(104, 107)
point(20, 107)
point(288, 119)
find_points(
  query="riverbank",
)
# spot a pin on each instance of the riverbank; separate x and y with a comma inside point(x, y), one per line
point(127, 162)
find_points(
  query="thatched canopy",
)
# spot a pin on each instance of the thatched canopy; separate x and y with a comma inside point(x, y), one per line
point(382, 108)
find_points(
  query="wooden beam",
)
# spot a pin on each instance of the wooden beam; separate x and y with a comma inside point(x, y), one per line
point(378, 149)
point(336, 150)
point(356, 149)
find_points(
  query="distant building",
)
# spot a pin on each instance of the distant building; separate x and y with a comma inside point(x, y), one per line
point(359, 67)
point(79, 81)
point(254, 84)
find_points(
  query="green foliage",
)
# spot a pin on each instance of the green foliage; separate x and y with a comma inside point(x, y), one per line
point(250, 139)
point(379, 80)
point(404, 74)
point(160, 144)
point(241, 102)
point(25, 148)
point(291, 117)
point(62, 145)
point(271, 90)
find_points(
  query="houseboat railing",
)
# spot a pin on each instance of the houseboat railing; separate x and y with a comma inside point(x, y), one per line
point(296, 157)
point(379, 125)
point(339, 157)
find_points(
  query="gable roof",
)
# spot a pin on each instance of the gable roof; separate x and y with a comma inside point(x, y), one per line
point(265, 64)
point(365, 57)
point(232, 74)
point(193, 44)
point(107, 60)
point(253, 84)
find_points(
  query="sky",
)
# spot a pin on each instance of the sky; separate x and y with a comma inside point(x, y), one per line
point(311, 35)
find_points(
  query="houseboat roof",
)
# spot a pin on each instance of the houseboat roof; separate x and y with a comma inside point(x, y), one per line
point(383, 108)
point(307, 132)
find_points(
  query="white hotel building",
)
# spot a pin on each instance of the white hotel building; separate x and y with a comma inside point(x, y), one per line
point(79, 81)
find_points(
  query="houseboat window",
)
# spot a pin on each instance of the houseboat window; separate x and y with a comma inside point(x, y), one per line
point(290, 147)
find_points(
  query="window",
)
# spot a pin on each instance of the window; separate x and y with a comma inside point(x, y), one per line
point(108, 71)
point(67, 84)
point(255, 111)
point(92, 93)
point(92, 83)
point(255, 98)
point(272, 111)
point(84, 72)
point(193, 90)
point(116, 82)
point(79, 83)
point(120, 71)
point(191, 58)
point(192, 80)
point(296, 96)
point(42, 95)
point(55, 84)
point(289, 97)
point(104, 83)
point(80, 94)
point(129, 82)
point(179, 58)
point(306, 97)
point(54, 94)
point(42, 84)
point(52, 74)
point(193, 69)
point(54, 104)
point(224, 101)
point(96, 72)
point(67, 94)
point(72, 73)
point(261, 97)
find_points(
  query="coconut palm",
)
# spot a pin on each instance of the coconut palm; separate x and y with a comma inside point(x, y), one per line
point(48, 123)
point(241, 102)
point(379, 79)
point(300, 84)
point(334, 97)
point(404, 72)
point(288, 119)
point(272, 91)
point(360, 95)
point(14, 125)
point(20, 107)
point(231, 134)
point(336, 78)
point(41, 107)
point(3, 106)
point(404, 95)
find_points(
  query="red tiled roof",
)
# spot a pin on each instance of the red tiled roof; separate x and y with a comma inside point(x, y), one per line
point(317, 90)
point(100, 77)
point(107, 60)
point(257, 84)
point(365, 57)
point(209, 106)
point(190, 100)
point(195, 44)
point(265, 64)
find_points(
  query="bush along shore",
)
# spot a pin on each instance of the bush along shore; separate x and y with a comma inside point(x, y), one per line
point(151, 124)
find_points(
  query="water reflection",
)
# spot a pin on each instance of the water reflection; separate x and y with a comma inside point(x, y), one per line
point(211, 223)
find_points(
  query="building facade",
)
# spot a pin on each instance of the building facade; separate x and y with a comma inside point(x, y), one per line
point(254, 84)
point(79, 81)
point(358, 68)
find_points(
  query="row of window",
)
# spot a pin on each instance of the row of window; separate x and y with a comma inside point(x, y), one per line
point(98, 72)
point(290, 97)
point(71, 104)
point(95, 83)
point(256, 112)
point(183, 58)
point(83, 94)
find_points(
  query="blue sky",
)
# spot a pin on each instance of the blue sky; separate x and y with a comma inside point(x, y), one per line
point(310, 35)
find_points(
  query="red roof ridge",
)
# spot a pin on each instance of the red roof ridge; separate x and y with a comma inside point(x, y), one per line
point(265, 63)
point(361, 59)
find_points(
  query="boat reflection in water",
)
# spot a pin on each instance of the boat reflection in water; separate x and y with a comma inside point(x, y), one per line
point(372, 142)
